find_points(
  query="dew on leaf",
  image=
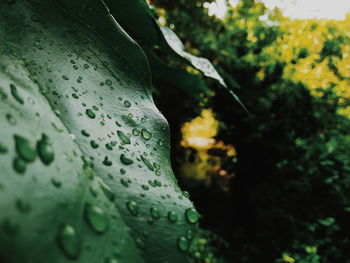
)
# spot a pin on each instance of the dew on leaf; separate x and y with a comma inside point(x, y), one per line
point(107, 191)
point(135, 132)
point(85, 133)
point(94, 144)
point(107, 162)
point(172, 216)
point(146, 134)
point(182, 244)
point(125, 139)
point(145, 187)
point(25, 149)
point(125, 160)
point(90, 113)
point(23, 206)
point(45, 150)
point(11, 119)
point(67, 241)
point(133, 207)
point(16, 94)
point(3, 148)
point(19, 165)
point(127, 104)
point(56, 182)
point(147, 163)
point(96, 218)
point(192, 215)
point(155, 212)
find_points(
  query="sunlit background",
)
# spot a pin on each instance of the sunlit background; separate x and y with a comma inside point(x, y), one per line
point(298, 9)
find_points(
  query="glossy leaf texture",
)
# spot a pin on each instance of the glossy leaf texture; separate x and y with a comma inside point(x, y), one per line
point(84, 152)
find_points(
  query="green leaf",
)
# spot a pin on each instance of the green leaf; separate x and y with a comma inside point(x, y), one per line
point(136, 14)
point(84, 152)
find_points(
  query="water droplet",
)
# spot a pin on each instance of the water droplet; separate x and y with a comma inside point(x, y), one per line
point(125, 139)
point(186, 194)
point(146, 134)
point(127, 104)
point(85, 133)
point(3, 148)
point(124, 182)
point(10, 227)
point(192, 215)
point(23, 205)
point(109, 146)
point(19, 165)
point(145, 187)
point(88, 171)
point(45, 150)
point(56, 182)
point(94, 144)
point(125, 160)
point(107, 191)
point(25, 149)
point(96, 218)
point(15, 94)
point(118, 124)
point(133, 207)
point(182, 244)
point(172, 216)
point(12, 120)
point(135, 132)
point(68, 241)
point(155, 212)
point(90, 113)
point(107, 162)
point(147, 163)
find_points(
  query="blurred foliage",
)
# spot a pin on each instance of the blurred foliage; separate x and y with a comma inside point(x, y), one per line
point(273, 183)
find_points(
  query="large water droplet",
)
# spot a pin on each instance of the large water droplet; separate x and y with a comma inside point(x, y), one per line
point(45, 150)
point(94, 144)
point(146, 134)
point(172, 216)
point(192, 215)
point(133, 207)
point(127, 104)
point(155, 212)
point(147, 163)
point(15, 94)
point(125, 160)
point(182, 244)
point(125, 139)
point(68, 241)
point(107, 162)
point(96, 218)
point(25, 149)
point(19, 165)
point(90, 113)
